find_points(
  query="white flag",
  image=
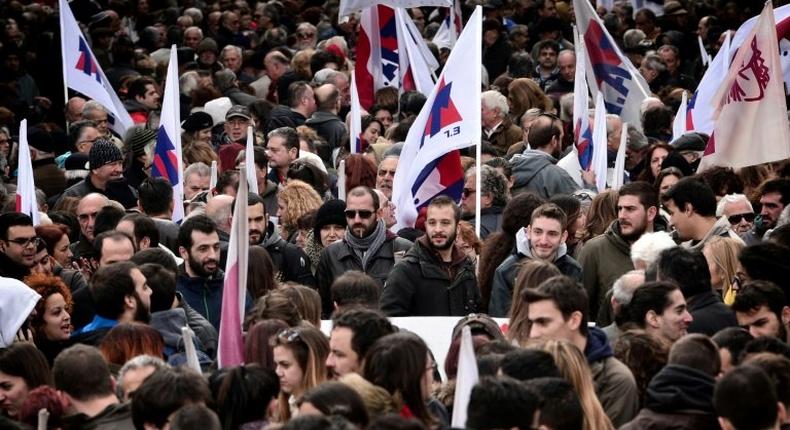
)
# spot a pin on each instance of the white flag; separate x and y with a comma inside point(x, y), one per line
point(167, 153)
point(81, 71)
point(751, 114)
point(26, 188)
point(417, 63)
point(450, 27)
point(347, 7)
point(619, 162)
point(212, 184)
point(599, 162)
point(341, 180)
point(699, 110)
point(679, 125)
point(249, 161)
point(355, 121)
point(230, 351)
point(448, 122)
point(466, 378)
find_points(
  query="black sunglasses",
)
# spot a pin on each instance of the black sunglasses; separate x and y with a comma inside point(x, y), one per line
point(468, 191)
point(735, 219)
point(364, 214)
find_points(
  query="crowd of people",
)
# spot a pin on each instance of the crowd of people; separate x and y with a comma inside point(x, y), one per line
point(662, 304)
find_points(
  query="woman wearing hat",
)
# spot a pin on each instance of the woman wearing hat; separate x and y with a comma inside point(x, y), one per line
point(196, 139)
point(139, 150)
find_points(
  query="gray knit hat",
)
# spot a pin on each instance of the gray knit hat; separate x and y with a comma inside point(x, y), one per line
point(104, 152)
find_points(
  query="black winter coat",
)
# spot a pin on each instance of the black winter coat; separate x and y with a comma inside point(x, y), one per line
point(419, 285)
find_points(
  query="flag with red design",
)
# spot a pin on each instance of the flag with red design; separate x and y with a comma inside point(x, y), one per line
point(417, 63)
point(377, 64)
point(82, 73)
point(449, 121)
point(609, 71)
point(751, 124)
point(450, 27)
point(167, 152)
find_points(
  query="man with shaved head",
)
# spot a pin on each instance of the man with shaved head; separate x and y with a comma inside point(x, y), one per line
point(325, 120)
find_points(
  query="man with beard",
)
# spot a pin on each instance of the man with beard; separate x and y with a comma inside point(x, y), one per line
point(762, 309)
point(434, 278)
point(543, 239)
point(536, 169)
point(608, 256)
point(121, 295)
point(367, 246)
point(774, 196)
point(18, 244)
point(292, 263)
point(200, 279)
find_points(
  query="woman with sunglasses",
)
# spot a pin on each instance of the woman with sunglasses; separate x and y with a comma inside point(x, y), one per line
point(300, 357)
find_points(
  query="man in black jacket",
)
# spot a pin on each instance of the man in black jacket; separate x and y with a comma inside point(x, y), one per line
point(292, 263)
point(18, 244)
point(435, 278)
point(367, 246)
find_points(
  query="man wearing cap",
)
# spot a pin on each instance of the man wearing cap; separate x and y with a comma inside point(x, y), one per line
point(237, 120)
point(691, 146)
point(208, 52)
point(46, 173)
point(105, 177)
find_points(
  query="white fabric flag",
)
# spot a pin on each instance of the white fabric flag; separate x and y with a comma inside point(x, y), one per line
point(249, 162)
point(599, 162)
point(450, 27)
point(415, 67)
point(26, 202)
point(355, 122)
point(449, 121)
point(619, 163)
point(751, 114)
point(609, 70)
point(341, 180)
point(212, 183)
point(699, 110)
point(702, 52)
point(782, 23)
point(466, 378)
point(81, 72)
point(679, 124)
point(167, 153)
point(230, 349)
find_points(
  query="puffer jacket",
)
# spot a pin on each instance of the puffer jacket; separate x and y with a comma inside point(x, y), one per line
point(339, 258)
point(505, 275)
point(537, 172)
point(422, 285)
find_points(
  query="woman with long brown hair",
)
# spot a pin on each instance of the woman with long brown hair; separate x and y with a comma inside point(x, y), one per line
point(525, 94)
point(300, 357)
point(603, 210)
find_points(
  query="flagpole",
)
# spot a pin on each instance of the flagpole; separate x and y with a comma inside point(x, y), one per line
point(478, 133)
point(62, 4)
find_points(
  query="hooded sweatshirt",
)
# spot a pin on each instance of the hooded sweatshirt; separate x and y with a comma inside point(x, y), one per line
point(329, 126)
point(537, 172)
point(721, 228)
point(506, 273)
point(614, 383)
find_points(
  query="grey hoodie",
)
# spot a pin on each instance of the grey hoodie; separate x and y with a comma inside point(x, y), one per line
point(537, 172)
point(329, 126)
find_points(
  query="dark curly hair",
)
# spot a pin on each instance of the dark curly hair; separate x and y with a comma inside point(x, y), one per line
point(644, 354)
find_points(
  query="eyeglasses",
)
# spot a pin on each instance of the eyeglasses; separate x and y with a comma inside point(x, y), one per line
point(305, 35)
point(468, 191)
point(735, 219)
point(289, 335)
point(364, 213)
point(24, 242)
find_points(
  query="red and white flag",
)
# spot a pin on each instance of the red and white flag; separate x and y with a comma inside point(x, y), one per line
point(377, 64)
point(450, 27)
point(234, 290)
point(81, 71)
point(417, 63)
point(751, 114)
point(26, 188)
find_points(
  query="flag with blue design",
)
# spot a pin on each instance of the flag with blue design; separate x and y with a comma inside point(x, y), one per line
point(608, 70)
point(82, 73)
point(377, 64)
point(417, 63)
point(167, 153)
point(450, 27)
point(449, 121)
point(582, 133)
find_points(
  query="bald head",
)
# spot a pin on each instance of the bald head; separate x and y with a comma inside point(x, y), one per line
point(87, 209)
point(327, 98)
point(74, 109)
point(218, 209)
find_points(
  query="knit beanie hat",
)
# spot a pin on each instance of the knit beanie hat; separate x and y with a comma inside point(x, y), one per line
point(138, 139)
point(104, 152)
point(331, 212)
point(207, 44)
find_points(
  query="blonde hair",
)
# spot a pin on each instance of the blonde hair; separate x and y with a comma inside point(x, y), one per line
point(530, 275)
point(724, 253)
point(298, 198)
point(574, 368)
point(378, 401)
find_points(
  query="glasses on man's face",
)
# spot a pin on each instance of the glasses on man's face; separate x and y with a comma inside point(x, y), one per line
point(305, 35)
point(364, 213)
point(24, 242)
point(735, 219)
point(468, 192)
